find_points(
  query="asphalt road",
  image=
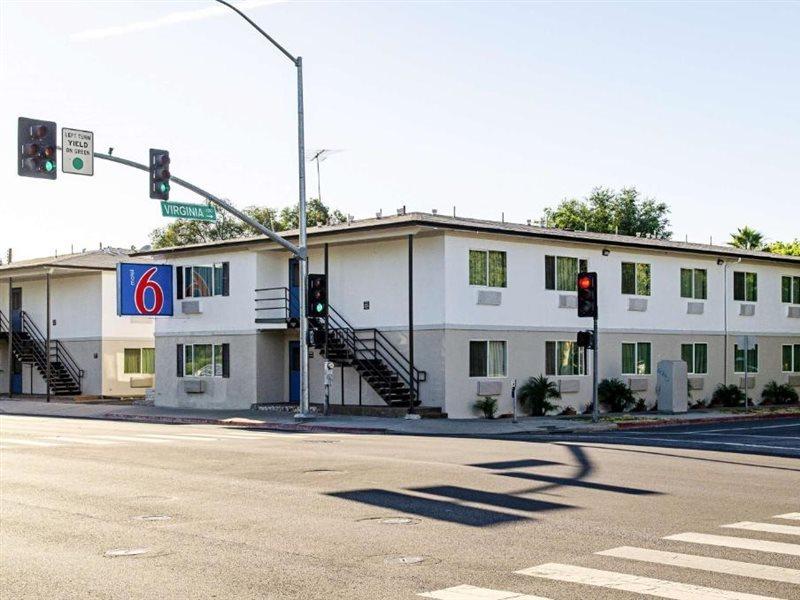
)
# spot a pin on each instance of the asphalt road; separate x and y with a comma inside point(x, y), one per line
point(93, 509)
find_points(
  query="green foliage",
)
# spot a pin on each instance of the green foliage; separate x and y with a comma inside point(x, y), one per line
point(615, 394)
point(536, 393)
point(786, 248)
point(747, 238)
point(640, 406)
point(568, 412)
point(778, 393)
point(727, 395)
point(182, 232)
point(487, 405)
point(605, 211)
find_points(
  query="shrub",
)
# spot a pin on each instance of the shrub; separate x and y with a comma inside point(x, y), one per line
point(588, 409)
point(568, 412)
point(615, 394)
point(640, 406)
point(727, 395)
point(487, 405)
point(778, 393)
point(701, 403)
point(536, 393)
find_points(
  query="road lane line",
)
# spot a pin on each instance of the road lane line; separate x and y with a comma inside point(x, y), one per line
point(766, 527)
point(620, 440)
point(125, 438)
point(29, 443)
point(789, 426)
point(470, 592)
point(80, 440)
point(704, 563)
point(736, 542)
point(789, 516)
point(633, 583)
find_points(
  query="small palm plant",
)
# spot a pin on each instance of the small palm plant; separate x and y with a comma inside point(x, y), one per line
point(536, 393)
point(487, 405)
point(778, 393)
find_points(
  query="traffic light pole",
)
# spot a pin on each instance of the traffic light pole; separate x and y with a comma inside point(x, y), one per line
point(596, 345)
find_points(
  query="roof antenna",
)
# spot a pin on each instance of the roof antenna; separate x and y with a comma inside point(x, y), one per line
point(110, 150)
point(454, 212)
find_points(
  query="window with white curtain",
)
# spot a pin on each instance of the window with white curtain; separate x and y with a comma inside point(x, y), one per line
point(488, 358)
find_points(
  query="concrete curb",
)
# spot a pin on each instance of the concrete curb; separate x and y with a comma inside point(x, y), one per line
point(709, 421)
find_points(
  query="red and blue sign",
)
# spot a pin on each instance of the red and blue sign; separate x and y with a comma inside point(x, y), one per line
point(144, 290)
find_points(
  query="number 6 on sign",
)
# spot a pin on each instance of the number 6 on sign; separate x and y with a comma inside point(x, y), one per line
point(144, 290)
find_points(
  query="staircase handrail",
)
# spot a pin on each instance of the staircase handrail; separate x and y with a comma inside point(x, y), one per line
point(4, 324)
point(64, 357)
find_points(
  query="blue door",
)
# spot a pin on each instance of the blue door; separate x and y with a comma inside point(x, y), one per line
point(294, 372)
point(16, 376)
point(294, 288)
point(16, 309)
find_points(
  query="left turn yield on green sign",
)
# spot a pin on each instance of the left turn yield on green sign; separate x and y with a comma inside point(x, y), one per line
point(193, 212)
point(77, 151)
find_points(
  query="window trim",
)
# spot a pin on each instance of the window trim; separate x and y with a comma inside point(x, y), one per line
point(486, 341)
point(214, 346)
point(795, 353)
point(486, 252)
point(758, 360)
point(794, 290)
point(693, 294)
point(692, 369)
point(636, 358)
point(636, 266)
point(141, 361)
point(744, 274)
point(189, 281)
point(582, 367)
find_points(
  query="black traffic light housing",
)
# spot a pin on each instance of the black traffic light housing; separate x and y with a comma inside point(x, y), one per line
point(587, 294)
point(159, 174)
point(317, 305)
point(36, 148)
point(585, 339)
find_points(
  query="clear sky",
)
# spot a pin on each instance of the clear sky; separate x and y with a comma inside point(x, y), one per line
point(488, 107)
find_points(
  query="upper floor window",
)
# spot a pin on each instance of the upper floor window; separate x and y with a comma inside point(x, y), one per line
point(696, 358)
point(790, 289)
point(561, 272)
point(694, 284)
point(745, 286)
point(563, 358)
point(636, 278)
point(790, 358)
point(636, 358)
point(488, 358)
point(739, 359)
point(487, 267)
point(203, 280)
point(139, 361)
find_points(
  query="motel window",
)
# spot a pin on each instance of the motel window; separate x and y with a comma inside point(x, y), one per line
point(487, 358)
point(790, 358)
point(487, 267)
point(696, 358)
point(636, 358)
point(752, 359)
point(139, 361)
point(561, 272)
point(745, 286)
point(790, 289)
point(694, 284)
point(563, 358)
point(202, 281)
point(203, 360)
point(636, 278)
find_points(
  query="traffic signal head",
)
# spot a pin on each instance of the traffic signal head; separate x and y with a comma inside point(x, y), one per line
point(317, 305)
point(587, 295)
point(585, 339)
point(159, 174)
point(36, 148)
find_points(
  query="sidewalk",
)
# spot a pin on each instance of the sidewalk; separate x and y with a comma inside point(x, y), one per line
point(376, 425)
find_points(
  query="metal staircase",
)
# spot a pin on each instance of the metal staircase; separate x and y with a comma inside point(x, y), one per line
point(30, 347)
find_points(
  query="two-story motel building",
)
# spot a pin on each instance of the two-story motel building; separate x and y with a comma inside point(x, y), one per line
point(484, 303)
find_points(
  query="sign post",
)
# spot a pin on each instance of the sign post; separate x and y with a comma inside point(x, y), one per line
point(77, 151)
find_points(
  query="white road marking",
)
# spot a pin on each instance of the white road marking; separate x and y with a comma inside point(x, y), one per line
point(126, 438)
point(736, 542)
point(633, 583)
point(789, 516)
point(790, 425)
point(703, 563)
point(30, 443)
point(180, 437)
point(701, 442)
point(766, 527)
point(470, 592)
point(80, 440)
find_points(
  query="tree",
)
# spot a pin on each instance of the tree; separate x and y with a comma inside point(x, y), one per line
point(605, 211)
point(747, 238)
point(183, 232)
point(786, 248)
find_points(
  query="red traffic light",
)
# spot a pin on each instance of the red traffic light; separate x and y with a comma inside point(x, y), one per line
point(585, 283)
point(38, 131)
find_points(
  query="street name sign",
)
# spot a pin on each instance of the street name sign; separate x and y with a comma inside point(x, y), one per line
point(193, 212)
point(77, 151)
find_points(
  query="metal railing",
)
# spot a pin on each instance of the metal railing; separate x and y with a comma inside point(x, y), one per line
point(4, 325)
point(57, 352)
point(276, 305)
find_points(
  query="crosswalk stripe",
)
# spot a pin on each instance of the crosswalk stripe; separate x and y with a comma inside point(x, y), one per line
point(736, 542)
point(766, 527)
point(789, 516)
point(470, 592)
point(704, 563)
point(30, 443)
point(633, 583)
point(125, 438)
point(180, 437)
point(80, 440)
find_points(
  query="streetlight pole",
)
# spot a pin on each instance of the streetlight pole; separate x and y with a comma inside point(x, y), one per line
point(304, 412)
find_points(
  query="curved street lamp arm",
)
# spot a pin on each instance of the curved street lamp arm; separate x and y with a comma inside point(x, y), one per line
point(261, 31)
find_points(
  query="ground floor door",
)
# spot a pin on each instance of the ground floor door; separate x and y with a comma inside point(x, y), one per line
point(16, 309)
point(16, 376)
point(294, 372)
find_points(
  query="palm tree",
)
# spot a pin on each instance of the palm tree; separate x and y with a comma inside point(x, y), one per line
point(747, 239)
point(535, 394)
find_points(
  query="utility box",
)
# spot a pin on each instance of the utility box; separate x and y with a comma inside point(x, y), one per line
point(672, 386)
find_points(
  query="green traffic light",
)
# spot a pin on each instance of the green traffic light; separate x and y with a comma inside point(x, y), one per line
point(319, 307)
point(164, 187)
point(49, 165)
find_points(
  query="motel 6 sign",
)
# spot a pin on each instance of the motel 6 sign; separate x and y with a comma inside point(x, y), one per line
point(144, 290)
